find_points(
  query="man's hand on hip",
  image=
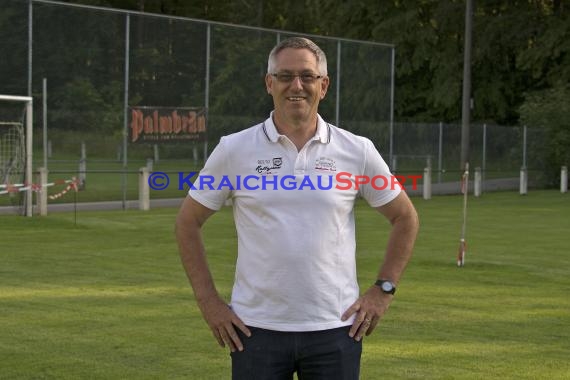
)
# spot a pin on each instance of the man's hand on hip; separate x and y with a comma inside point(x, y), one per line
point(368, 311)
point(222, 321)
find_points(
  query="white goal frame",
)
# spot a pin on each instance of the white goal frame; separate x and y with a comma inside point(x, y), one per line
point(28, 101)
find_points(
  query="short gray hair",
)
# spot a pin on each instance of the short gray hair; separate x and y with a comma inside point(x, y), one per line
point(298, 43)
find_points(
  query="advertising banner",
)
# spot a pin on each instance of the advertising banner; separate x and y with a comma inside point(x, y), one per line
point(166, 124)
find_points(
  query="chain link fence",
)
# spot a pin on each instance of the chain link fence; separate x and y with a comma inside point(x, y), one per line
point(97, 62)
point(88, 65)
point(499, 151)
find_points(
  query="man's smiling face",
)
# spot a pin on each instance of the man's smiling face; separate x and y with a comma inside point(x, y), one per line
point(296, 101)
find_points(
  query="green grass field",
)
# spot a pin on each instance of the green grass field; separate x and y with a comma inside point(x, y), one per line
point(105, 297)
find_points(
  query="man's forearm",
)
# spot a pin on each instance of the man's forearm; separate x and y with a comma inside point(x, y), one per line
point(400, 247)
point(219, 317)
point(193, 253)
point(193, 257)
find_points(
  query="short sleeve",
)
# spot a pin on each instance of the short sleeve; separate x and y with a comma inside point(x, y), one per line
point(214, 169)
point(383, 186)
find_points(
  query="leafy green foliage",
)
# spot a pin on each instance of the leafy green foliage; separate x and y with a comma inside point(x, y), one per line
point(92, 108)
point(549, 109)
point(520, 58)
point(518, 47)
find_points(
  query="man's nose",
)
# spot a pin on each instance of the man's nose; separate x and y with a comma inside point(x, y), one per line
point(297, 82)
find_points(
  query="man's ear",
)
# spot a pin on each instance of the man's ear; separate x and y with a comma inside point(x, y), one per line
point(268, 82)
point(324, 86)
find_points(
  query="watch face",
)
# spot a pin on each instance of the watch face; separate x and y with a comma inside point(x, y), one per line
point(387, 286)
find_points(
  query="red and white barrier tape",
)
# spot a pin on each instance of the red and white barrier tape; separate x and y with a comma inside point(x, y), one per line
point(36, 187)
point(72, 185)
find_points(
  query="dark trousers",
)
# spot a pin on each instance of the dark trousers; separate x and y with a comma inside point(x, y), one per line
point(316, 355)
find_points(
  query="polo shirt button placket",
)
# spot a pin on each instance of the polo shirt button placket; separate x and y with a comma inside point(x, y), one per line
point(301, 162)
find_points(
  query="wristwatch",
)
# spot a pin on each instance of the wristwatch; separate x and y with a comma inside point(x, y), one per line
point(387, 287)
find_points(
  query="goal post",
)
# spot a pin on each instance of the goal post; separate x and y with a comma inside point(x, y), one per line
point(27, 105)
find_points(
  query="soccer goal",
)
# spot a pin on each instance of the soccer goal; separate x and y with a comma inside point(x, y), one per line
point(16, 150)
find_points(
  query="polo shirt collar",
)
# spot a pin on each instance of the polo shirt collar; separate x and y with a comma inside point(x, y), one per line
point(323, 133)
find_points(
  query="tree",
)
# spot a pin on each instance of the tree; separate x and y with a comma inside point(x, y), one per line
point(546, 60)
point(520, 64)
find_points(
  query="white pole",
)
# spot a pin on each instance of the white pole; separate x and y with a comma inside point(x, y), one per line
point(427, 183)
point(523, 182)
point(15, 98)
point(144, 190)
point(564, 179)
point(42, 198)
point(477, 182)
point(83, 166)
point(30, 44)
point(29, 156)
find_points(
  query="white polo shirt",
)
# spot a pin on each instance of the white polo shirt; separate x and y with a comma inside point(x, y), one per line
point(296, 268)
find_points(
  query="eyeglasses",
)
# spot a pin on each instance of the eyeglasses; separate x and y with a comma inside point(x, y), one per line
point(306, 78)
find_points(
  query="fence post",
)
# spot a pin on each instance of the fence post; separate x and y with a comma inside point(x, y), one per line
point(394, 163)
point(144, 190)
point(564, 179)
point(477, 182)
point(523, 181)
point(42, 198)
point(156, 155)
point(82, 167)
point(195, 154)
point(427, 183)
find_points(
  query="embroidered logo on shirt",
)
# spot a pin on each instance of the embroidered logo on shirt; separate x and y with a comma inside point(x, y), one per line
point(325, 164)
point(266, 167)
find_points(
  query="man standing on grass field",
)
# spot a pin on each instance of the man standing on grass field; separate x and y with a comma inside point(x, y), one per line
point(295, 304)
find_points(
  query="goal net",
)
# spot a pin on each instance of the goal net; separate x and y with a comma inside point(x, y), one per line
point(15, 152)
